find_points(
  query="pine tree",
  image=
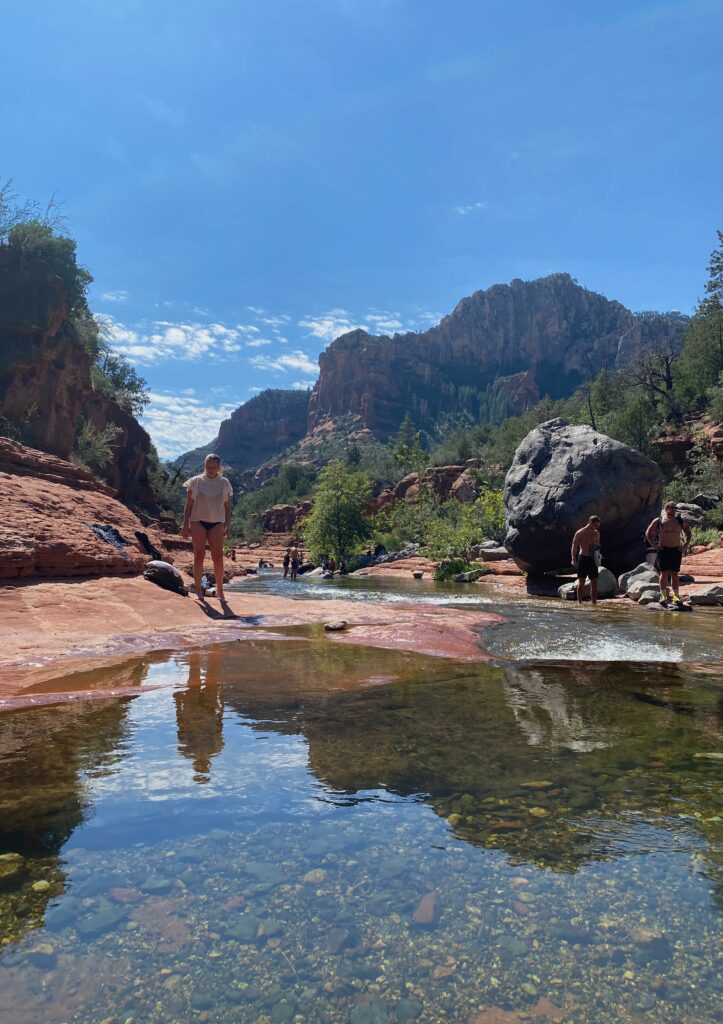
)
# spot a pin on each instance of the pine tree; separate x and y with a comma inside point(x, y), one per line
point(702, 358)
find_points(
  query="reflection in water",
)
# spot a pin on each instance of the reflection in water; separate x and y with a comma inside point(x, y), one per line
point(540, 839)
point(199, 712)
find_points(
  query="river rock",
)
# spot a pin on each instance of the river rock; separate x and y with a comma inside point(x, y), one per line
point(496, 554)
point(103, 920)
point(408, 1009)
point(649, 594)
point(165, 575)
point(469, 577)
point(640, 586)
point(335, 625)
point(428, 910)
point(607, 586)
point(561, 475)
point(417, 574)
point(706, 501)
point(12, 870)
point(690, 513)
point(245, 929)
point(710, 595)
point(641, 572)
point(369, 1013)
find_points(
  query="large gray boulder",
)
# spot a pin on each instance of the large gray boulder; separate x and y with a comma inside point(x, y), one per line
point(563, 474)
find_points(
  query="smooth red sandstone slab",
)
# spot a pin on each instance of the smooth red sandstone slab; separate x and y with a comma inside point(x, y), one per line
point(47, 626)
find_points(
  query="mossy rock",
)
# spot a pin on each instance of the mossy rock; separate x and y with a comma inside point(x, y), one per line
point(12, 871)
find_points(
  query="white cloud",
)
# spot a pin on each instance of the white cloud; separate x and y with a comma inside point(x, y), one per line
point(330, 325)
point(276, 321)
point(289, 361)
point(472, 208)
point(115, 295)
point(384, 321)
point(303, 385)
point(146, 344)
point(258, 342)
point(179, 422)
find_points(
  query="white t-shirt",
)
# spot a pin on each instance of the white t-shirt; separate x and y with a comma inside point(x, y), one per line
point(208, 498)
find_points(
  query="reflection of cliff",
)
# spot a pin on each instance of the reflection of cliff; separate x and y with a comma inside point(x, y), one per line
point(518, 758)
point(43, 756)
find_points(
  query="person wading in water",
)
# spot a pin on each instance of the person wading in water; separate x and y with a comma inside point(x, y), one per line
point(207, 518)
point(664, 534)
point(586, 557)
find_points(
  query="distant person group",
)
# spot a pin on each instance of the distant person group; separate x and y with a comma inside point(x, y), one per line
point(666, 536)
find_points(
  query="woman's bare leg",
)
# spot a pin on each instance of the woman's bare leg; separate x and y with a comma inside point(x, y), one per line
point(215, 542)
point(198, 539)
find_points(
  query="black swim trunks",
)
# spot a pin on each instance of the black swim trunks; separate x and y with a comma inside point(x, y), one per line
point(669, 559)
point(587, 567)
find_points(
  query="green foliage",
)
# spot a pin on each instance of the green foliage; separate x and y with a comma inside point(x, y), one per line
point(703, 473)
point(294, 483)
point(404, 522)
point(452, 567)
point(460, 528)
point(705, 535)
point(114, 376)
point(35, 239)
point(338, 522)
point(702, 359)
point(21, 430)
point(94, 448)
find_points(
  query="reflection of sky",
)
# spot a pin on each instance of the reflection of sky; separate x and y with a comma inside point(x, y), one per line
point(249, 763)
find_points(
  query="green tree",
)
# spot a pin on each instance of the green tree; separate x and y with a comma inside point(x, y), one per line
point(113, 375)
point(37, 239)
point(702, 359)
point(338, 522)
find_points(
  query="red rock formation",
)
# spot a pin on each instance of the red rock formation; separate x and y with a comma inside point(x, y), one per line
point(262, 427)
point(45, 382)
point(283, 518)
point(551, 330)
point(48, 507)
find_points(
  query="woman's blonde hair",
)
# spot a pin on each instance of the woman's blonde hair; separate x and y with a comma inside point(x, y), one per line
point(212, 458)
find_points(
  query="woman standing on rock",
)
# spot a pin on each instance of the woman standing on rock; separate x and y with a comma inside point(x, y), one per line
point(207, 518)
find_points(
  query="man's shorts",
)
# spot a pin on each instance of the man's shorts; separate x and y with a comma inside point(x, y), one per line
point(669, 559)
point(586, 566)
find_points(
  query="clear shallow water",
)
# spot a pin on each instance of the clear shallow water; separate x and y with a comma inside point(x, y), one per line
point(537, 629)
point(251, 841)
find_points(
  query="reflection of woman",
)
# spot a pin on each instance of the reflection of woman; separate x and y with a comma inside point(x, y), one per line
point(199, 713)
point(207, 517)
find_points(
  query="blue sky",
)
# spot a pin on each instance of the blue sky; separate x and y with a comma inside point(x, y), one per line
point(247, 179)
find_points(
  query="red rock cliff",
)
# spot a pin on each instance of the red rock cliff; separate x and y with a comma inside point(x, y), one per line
point(45, 383)
point(551, 330)
point(263, 427)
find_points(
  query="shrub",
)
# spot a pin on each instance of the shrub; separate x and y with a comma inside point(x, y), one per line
point(94, 448)
point(452, 567)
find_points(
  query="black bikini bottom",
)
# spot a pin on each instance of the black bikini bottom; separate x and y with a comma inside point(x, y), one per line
point(207, 526)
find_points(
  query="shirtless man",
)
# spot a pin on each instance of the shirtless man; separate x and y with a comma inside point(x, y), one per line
point(584, 545)
point(295, 561)
point(664, 534)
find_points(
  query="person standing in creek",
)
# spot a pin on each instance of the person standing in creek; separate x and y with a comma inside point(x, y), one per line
point(664, 534)
point(585, 556)
point(207, 519)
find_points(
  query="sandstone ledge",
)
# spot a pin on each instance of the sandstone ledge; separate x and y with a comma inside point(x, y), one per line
point(60, 626)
